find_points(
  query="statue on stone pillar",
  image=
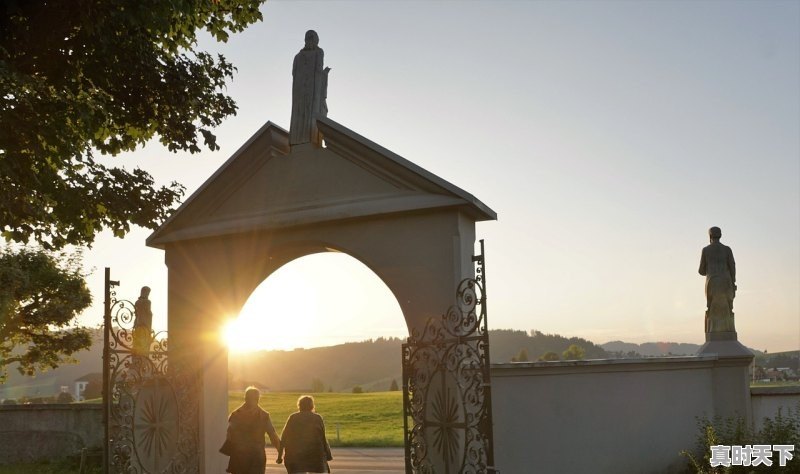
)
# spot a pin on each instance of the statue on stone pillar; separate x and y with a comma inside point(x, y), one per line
point(309, 91)
point(719, 268)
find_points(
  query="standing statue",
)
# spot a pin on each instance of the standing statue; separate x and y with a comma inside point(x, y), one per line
point(719, 268)
point(142, 333)
point(309, 91)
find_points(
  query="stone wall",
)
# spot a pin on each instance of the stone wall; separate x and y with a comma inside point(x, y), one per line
point(766, 402)
point(602, 416)
point(36, 432)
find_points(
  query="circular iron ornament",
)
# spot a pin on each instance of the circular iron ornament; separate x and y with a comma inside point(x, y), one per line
point(155, 425)
point(445, 423)
point(447, 387)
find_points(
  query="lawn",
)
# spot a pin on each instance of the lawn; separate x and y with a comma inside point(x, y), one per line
point(361, 419)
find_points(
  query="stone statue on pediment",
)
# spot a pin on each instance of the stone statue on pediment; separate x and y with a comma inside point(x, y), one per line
point(309, 91)
point(719, 268)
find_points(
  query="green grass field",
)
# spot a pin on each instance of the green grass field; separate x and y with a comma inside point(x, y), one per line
point(363, 419)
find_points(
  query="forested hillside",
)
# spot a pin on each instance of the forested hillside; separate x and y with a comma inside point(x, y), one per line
point(621, 349)
point(509, 343)
point(371, 365)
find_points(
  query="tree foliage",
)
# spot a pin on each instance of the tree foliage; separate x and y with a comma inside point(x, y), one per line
point(573, 352)
point(522, 356)
point(506, 344)
point(40, 295)
point(105, 76)
point(393, 387)
point(64, 397)
point(548, 356)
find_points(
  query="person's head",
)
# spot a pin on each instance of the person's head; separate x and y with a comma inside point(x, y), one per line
point(305, 403)
point(312, 39)
point(714, 233)
point(145, 292)
point(251, 396)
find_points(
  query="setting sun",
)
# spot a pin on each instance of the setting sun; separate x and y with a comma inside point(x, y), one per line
point(317, 300)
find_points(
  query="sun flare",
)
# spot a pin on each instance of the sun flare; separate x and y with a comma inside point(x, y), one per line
point(317, 300)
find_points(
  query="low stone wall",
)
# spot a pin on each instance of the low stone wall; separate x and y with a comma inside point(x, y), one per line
point(600, 416)
point(766, 401)
point(37, 432)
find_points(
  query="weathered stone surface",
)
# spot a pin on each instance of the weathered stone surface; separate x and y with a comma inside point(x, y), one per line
point(309, 90)
point(31, 433)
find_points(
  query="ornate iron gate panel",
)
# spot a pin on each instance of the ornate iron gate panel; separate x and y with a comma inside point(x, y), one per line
point(150, 406)
point(446, 387)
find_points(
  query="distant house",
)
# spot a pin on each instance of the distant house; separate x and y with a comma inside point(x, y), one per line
point(787, 373)
point(83, 382)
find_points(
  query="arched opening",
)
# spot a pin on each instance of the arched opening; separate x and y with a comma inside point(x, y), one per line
point(327, 325)
point(322, 299)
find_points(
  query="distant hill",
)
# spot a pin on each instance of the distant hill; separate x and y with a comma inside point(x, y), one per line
point(774, 360)
point(372, 364)
point(649, 349)
point(506, 343)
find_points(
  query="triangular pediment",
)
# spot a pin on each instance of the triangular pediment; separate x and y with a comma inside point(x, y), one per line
point(268, 185)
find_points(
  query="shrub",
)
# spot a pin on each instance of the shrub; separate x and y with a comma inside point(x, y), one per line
point(65, 397)
point(734, 431)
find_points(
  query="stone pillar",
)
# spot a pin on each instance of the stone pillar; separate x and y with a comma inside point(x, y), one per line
point(731, 383)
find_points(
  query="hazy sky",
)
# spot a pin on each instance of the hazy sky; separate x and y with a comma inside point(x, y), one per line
point(608, 136)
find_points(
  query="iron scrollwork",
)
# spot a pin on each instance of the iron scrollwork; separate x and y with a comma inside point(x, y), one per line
point(446, 387)
point(151, 404)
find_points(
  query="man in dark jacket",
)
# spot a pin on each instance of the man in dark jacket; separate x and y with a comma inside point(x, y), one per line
point(245, 441)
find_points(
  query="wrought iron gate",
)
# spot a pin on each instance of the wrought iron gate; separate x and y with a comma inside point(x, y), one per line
point(446, 387)
point(150, 405)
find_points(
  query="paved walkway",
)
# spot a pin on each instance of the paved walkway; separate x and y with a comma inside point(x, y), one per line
point(355, 461)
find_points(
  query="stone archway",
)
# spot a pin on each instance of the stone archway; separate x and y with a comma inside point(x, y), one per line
point(271, 203)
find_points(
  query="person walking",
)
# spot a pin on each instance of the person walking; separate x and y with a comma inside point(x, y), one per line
point(304, 447)
point(245, 438)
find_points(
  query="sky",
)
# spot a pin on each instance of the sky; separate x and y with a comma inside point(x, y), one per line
point(608, 136)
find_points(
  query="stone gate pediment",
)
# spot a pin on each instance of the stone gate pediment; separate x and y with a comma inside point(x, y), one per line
point(267, 184)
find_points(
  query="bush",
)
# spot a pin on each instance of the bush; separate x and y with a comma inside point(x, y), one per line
point(358, 389)
point(65, 397)
point(734, 431)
